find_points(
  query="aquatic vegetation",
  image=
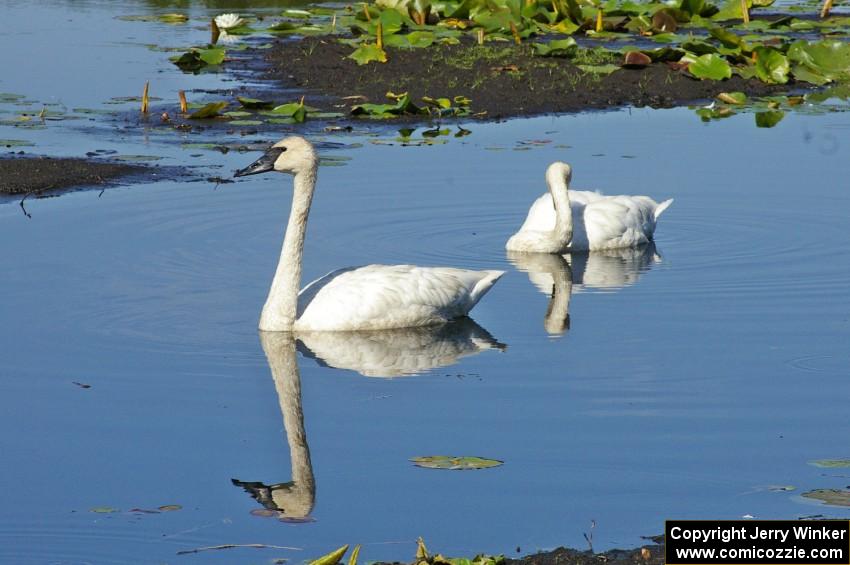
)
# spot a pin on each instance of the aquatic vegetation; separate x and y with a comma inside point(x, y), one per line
point(453, 463)
point(196, 58)
point(211, 110)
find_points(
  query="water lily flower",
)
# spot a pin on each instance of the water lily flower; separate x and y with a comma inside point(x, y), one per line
point(228, 21)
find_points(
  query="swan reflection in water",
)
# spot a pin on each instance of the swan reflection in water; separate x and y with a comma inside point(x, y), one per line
point(558, 276)
point(293, 501)
point(401, 352)
point(384, 353)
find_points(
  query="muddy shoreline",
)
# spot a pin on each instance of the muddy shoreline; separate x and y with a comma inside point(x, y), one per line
point(652, 554)
point(37, 175)
point(501, 80)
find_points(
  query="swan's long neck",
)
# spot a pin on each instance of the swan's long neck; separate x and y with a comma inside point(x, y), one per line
point(557, 181)
point(281, 306)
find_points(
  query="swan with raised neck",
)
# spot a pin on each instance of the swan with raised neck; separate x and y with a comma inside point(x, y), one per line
point(370, 297)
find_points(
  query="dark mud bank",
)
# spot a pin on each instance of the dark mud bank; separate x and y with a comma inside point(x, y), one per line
point(502, 81)
point(25, 174)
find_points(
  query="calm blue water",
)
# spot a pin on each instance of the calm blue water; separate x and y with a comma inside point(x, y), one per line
point(691, 378)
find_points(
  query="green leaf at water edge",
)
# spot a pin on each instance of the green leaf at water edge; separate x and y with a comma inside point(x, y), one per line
point(254, 103)
point(710, 67)
point(173, 18)
point(829, 58)
point(771, 65)
point(769, 118)
point(736, 98)
point(556, 48)
point(210, 110)
point(454, 463)
point(212, 56)
point(367, 53)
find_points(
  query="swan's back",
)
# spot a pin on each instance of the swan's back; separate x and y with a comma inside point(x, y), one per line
point(600, 221)
point(376, 297)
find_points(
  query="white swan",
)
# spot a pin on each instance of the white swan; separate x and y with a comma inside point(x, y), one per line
point(564, 220)
point(373, 297)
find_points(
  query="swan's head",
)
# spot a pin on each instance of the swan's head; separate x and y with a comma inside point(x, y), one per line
point(292, 154)
point(559, 172)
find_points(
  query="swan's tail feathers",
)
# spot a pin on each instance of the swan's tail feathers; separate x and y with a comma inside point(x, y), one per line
point(661, 207)
point(484, 284)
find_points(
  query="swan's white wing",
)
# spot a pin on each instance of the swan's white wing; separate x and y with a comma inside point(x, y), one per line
point(619, 221)
point(378, 297)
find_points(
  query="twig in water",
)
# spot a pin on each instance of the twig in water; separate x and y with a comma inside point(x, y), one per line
point(234, 545)
point(589, 538)
point(24, 208)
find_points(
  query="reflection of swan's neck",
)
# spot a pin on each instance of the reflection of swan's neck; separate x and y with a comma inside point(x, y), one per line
point(557, 178)
point(557, 320)
point(296, 501)
point(281, 305)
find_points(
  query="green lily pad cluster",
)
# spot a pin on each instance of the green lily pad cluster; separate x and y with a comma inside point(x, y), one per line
point(197, 58)
point(402, 104)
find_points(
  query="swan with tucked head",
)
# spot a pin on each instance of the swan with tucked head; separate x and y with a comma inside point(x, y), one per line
point(565, 220)
point(372, 297)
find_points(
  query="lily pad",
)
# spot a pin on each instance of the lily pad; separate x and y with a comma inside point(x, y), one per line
point(451, 462)
point(15, 143)
point(367, 53)
point(557, 48)
point(103, 510)
point(771, 65)
point(769, 118)
point(829, 58)
point(170, 508)
point(831, 496)
point(732, 97)
point(246, 123)
point(210, 110)
point(254, 103)
point(830, 463)
point(710, 67)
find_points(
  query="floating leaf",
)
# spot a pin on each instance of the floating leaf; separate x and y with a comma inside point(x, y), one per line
point(210, 110)
point(294, 110)
point(829, 58)
point(331, 558)
point(557, 48)
point(454, 463)
point(711, 67)
point(769, 118)
point(367, 53)
point(830, 463)
point(170, 508)
point(254, 103)
point(15, 143)
point(246, 123)
point(212, 56)
point(833, 497)
point(173, 18)
point(103, 510)
point(732, 97)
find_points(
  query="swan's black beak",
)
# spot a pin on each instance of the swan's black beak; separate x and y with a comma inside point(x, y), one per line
point(262, 165)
